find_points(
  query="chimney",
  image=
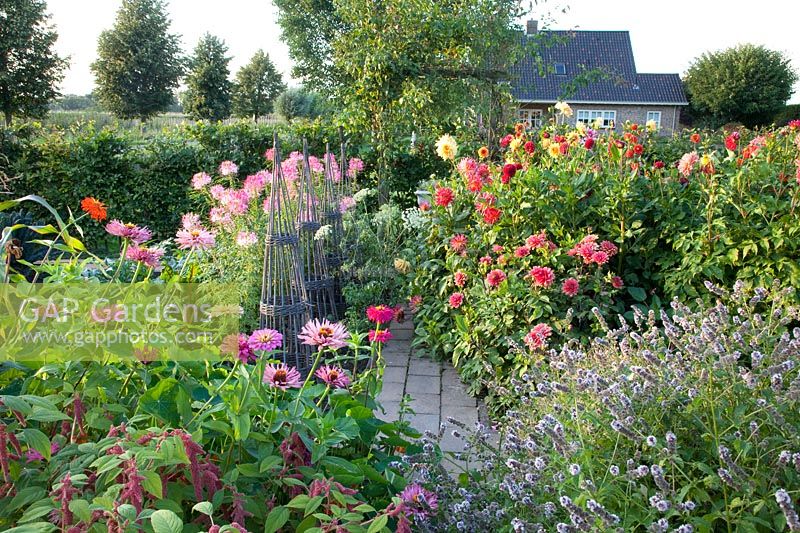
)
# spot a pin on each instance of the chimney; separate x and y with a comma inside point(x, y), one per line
point(533, 27)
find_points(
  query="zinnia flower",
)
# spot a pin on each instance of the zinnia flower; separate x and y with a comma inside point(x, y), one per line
point(265, 340)
point(94, 208)
point(444, 196)
point(419, 501)
point(323, 334)
point(456, 299)
point(281, 376)
point(195, 239)
point(228, 168)
point(333, 376)
point(495, 277)
point(380, 314)
point(570, 287)
point(149, 257)
point(200, 180)
point(458, 243)
point(537, 337)
point(542, 276)
point(446, 147)
point(131, 232)
point(381, 337)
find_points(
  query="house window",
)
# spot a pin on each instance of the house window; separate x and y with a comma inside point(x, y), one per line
point(604, 119)
point(532, 118)
point(655, 116)
point(560, 68)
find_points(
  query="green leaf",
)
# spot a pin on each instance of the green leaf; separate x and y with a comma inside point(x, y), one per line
point(207, 508)
point(165, 521)
point(25, 497)
point(378, 524)
point(152, 483)
point(36, 527)
point(638, 294)
point(38, 441)
point(277, 519)
point(164, 401)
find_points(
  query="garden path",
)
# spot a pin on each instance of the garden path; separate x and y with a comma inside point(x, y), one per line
point(435, 388)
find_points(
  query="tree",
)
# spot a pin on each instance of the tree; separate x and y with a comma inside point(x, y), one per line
point(30, 69)
point(747, 84)
point(208, 89)
point(257, 85)
point(298, 102)
point(139, 62)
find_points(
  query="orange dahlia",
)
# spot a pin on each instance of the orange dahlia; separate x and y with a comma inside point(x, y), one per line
point(483, 152)
point(94, 208)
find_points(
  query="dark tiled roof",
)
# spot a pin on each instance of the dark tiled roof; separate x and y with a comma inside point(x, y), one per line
point(581, 51)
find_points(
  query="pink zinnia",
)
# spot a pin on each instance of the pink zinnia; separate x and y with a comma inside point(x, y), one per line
point(281, 376)
point(617, 282)
point(381, 337)
point(130, 232)
point(200, 180)
point(542, 276)
point(195, 239)
point(537, 337)
point(333, 376)
point(245, 352)
point(460, 279)
point(456, 299)
point(228, 168)
point(444, 196)
point(495, 277)
point(265, 340)
point(246, 238)
point(419, 501)
point(380, 314)
point(600, 257)
point(458, 243)
point(324, 334)
point(570, 287)
point(149, 257)
point(687, 163)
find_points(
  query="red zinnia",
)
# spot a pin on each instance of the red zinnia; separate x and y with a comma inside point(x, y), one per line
point(381, 337)
point(456, 299)
point(380, 314)
point(495, 277)
point(94, 208)
point(542, 276)
point(570, 287)
point(491, 215)
point(444, 196)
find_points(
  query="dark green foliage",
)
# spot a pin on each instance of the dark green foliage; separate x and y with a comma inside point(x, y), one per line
point(74, 102)
point(790, 112)
point(30, 69)
point(208, 89)
point(257, 85)
point(747, 84)
point(298, 103)
point(139, 63)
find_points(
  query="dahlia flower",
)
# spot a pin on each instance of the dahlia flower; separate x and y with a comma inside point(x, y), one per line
point(460, 279)
point(446, 147)
point(542, 276)
point(687, 163)
point(570, 287)
point(564, 108)
point(495, 277)
point(443, 196)
point(324, 334)
point(456, 299)
point(537, 337)
point(458, 243)
point(333, 376)
point(281, 376)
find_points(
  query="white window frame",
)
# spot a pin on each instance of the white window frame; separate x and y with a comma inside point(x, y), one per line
point(588, 116)
point(531, 117)
point(655, 116)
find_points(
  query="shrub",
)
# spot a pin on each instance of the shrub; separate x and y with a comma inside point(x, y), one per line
point(298, 103)
point(690, 425)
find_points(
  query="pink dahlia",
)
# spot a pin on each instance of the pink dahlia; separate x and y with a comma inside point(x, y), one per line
point(600, 257)
point(456, 299)
point(381, 337)
point(687, 163)
point(419, 501)
point(265, 340)
point(497, 249)
point(458, 243)
point(149, 257)
point(324, 334)
point(380, 314)
point(200, 180)
point(246, 238)
point(281, 376)
point(444, 196)
point(333, 376)
point(495, 277)
point(617, 282)
point(460, 279)
point(195, 239)
point(485, 260)
point(537, 241)
point(130, 232)
point(570, 287)
point(228, 168)
point(522, 251)
point(542, 276)
point(537, 337)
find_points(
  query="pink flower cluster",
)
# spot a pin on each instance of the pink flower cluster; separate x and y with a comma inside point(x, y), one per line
point(538, 336)
point(593, 252)
point(355, 167)
point(477, 175)
point(542, 276)
point(193, 236)
point(458, 243)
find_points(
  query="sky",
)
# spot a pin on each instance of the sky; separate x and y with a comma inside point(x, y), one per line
point(666, 34)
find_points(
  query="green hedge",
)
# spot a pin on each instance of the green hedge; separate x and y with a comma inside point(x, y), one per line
point(142, 179)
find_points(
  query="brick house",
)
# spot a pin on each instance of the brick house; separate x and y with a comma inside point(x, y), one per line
point(622, 94)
